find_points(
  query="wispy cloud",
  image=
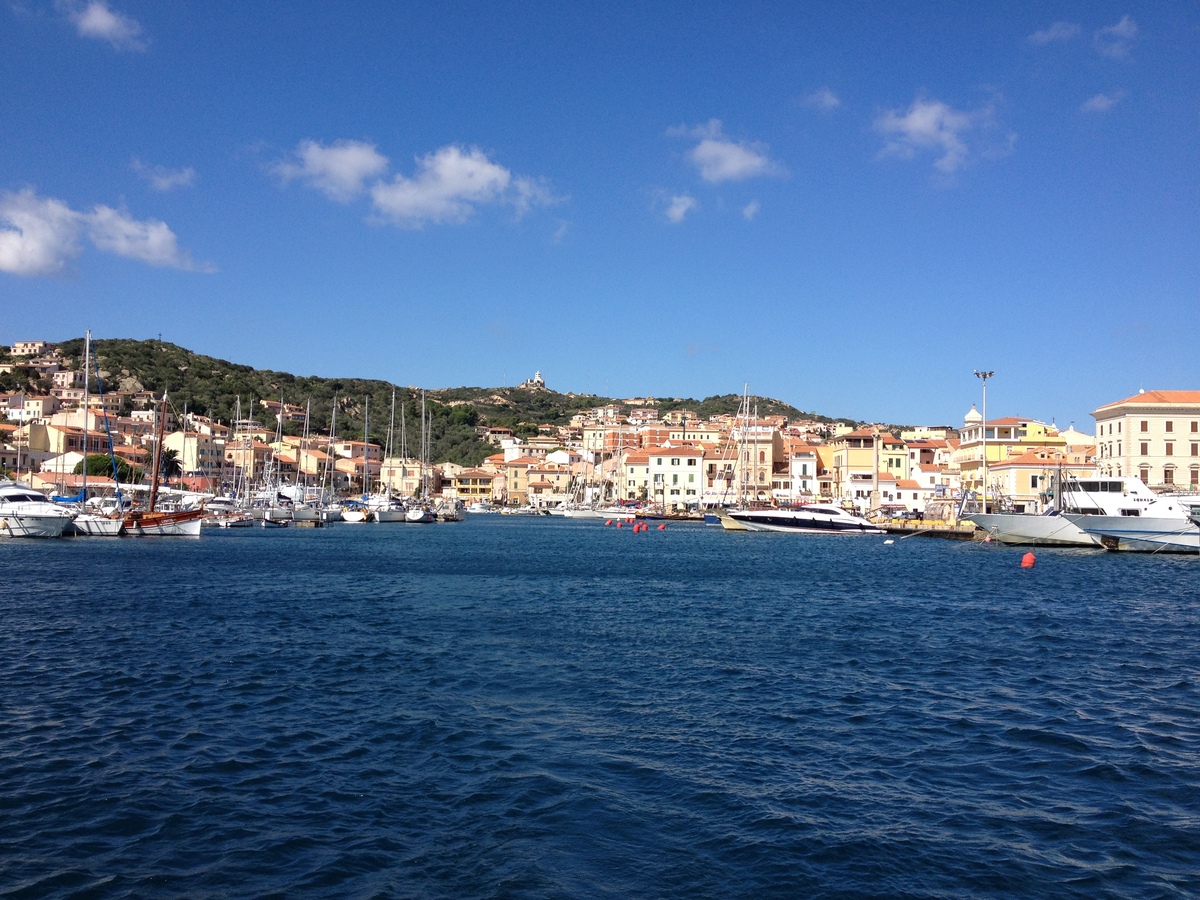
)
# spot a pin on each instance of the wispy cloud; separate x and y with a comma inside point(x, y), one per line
point(1115, 40)
point(163, 179)
point(719, 158)
point(41, 235)
point(1102, 102)
point(679, 206)
point(953, 136)
point(1058, 31)
point(750, 210)
point(339, 170)
point(823, 99)
point(96, 20)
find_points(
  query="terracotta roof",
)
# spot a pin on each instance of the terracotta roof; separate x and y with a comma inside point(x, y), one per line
point(907, 484)
point(1156, 398)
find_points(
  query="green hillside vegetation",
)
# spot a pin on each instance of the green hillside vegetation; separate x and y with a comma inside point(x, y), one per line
point(212, 387)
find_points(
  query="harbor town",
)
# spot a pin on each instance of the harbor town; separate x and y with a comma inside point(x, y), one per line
point(118, 454)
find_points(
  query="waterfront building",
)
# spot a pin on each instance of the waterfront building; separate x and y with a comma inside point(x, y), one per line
point(1154, 435)
point(1005, 438)
point(1027, 480)
point(198, 453)
point(675, 476)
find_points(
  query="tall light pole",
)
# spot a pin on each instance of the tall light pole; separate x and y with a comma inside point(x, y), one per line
point(985, 376)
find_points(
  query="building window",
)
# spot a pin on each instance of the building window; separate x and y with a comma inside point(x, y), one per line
point(1168, 476)
point(1170, 426)
point(1145, 425)
point(1145, 449)
point(1195, 449)
point(1144, 474)
point(1170, 448)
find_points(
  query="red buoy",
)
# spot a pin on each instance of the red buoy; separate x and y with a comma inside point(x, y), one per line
point(662, 527)
point(608, 521)
point(619, 523)
point(1028, 560)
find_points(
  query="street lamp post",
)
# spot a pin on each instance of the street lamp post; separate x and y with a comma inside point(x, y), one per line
point(985, 376)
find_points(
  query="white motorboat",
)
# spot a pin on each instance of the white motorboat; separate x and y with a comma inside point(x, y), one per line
point(814, 518)
point(25, 512)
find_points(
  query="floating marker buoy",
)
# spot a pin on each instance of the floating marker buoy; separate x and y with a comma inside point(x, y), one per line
point(619, 524)
point(662, 527)
point(888, 541)
point(1028, 560)
point(608, 521)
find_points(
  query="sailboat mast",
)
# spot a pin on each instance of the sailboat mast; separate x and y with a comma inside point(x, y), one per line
point(87, 361)
point(158, 449)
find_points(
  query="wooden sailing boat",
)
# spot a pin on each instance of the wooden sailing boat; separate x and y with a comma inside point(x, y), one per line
point(151, 521)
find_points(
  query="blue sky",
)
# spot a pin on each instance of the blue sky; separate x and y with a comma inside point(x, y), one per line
point(849, 206)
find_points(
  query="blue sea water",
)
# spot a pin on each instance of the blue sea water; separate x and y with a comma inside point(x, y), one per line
point(511, 707)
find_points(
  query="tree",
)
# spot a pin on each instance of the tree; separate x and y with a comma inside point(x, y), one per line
point(171, 466)
point(101, 465)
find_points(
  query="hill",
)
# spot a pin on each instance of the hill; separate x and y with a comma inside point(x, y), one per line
point(213, 387)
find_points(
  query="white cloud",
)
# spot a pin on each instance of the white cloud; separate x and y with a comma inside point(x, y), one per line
point(40, 236)
point(151, 241)
point(750, 210)
point(1102, 102)
point(339, 170)
point(95, 20)
point(935, 126)
point(450, 184)
point(1115, 40)
point(164, 179)
point(720, 159)
point(679, 206)
point(823, 99)
point(1059, 31)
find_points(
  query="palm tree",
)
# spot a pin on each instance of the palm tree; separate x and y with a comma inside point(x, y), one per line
point(171, 466)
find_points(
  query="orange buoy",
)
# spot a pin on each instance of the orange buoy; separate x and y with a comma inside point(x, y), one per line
point(608, 521)
point(1028, 560)
point(619, 523)
point(662, 527)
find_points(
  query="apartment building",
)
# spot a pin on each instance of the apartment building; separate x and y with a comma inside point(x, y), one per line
point(1154, 435)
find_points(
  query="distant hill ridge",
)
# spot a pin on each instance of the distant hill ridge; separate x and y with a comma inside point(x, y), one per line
point(212, 387)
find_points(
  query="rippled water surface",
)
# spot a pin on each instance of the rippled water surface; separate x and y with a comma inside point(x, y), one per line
point(546, 708)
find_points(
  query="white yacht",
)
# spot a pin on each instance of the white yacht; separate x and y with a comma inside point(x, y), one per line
point(25, 512)
point(1167, 526)
point(1087, 499)
point(814, 518)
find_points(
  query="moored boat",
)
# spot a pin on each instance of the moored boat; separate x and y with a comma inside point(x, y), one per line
point(25, 512)
point(814, 518)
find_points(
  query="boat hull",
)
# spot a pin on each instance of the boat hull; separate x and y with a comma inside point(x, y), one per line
point(798, 522)
point(1048, 531)
point(164, 524)
point(1142, 534)
point(32, 525)
point(89, 525)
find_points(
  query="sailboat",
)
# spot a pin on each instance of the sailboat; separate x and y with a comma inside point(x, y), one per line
point(386, 507)
point(355, 512)
point(421, 513)
point(152, 521)
point(84, 522)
